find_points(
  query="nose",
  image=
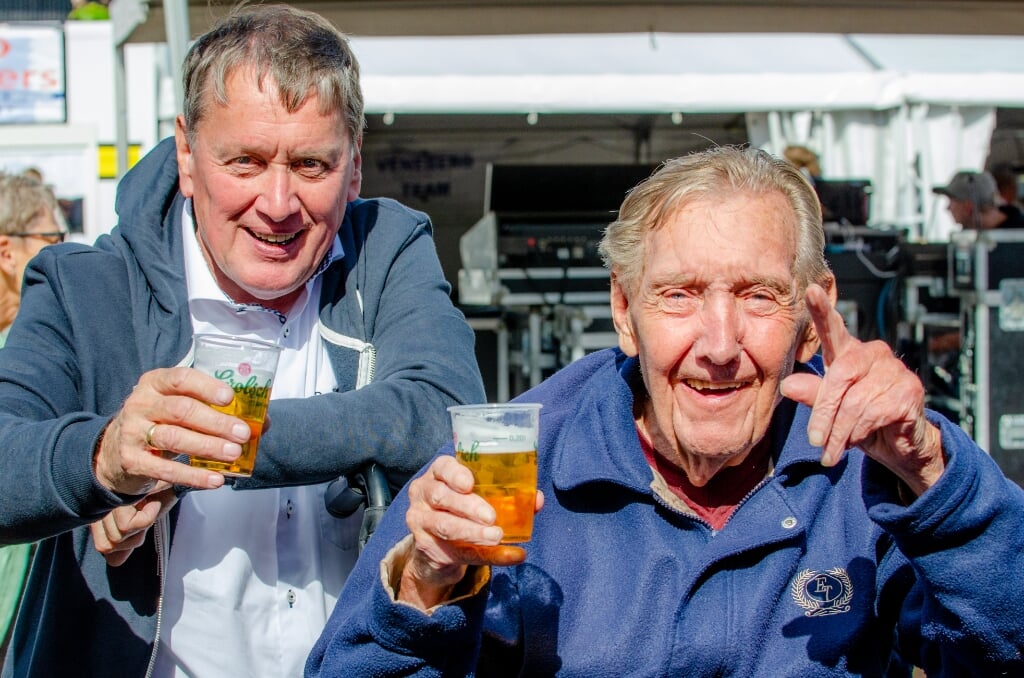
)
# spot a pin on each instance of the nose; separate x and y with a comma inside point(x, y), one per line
point(278, 199)
point(722, 328)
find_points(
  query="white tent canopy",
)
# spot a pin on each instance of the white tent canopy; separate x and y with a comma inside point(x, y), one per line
point(699, 72)
point(903, 111)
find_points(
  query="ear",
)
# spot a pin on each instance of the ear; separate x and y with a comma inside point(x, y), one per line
point(8, 262)
point(622, 320)
point(184, 155)
point(810, 342)
point(356, 183)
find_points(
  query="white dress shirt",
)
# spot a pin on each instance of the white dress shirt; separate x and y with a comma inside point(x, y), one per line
point(253, 575)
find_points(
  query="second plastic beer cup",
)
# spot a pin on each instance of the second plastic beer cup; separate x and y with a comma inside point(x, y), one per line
point(248, 367)
point(498, 443)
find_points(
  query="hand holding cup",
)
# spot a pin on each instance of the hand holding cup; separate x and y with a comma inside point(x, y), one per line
point(248, 367)
point(498, 443)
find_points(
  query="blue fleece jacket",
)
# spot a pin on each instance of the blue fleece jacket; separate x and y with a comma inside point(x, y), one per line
point(93, 319)
point(819, 572)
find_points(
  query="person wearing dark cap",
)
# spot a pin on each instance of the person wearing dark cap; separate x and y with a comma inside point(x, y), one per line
point(1006, 183)
point(974, 202)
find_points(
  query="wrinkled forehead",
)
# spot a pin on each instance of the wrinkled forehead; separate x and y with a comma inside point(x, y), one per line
point(751, 234)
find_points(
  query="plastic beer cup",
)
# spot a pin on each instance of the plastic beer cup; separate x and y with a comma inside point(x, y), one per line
point(248, 367)
point(498, 443)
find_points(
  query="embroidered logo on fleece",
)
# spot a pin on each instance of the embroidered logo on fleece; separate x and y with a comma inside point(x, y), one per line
point(823, 593)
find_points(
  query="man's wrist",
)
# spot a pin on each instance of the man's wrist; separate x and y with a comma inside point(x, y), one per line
point(405, 584)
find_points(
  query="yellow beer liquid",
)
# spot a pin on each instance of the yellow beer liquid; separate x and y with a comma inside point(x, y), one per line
point(508, 481)
point(252, 410)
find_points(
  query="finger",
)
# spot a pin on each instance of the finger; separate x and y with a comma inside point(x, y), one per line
point(502, 555)
point(143, 517)
point(185, 439)
point(453, 474)
point(182, 398)
point(100, 539)
point(123, 464)
point(858, 395)
point(828, 323)
point(437, 557)
point(445, 515)
point(805, 388)
point(163, 496)
point(123, 523)
point(447, 488)
point(801, 387)
point(185, 381)
point(114, 547)
point(125, 528)
point(120, 556)
point(825, 408)
point(441, 519)
point(858, 417)
point(888, 397)
point(178, 473)
point(163, 414)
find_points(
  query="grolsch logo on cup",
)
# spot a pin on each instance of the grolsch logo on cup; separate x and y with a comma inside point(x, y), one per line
point(248, 367)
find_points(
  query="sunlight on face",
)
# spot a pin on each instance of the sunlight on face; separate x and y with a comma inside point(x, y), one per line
point(269, 189)
point(717, 322)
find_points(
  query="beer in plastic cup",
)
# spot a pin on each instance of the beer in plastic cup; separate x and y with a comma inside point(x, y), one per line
point(248, 367)
point(498, 443)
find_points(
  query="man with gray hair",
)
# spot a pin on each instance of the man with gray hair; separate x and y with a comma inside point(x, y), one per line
point(247, 223)
point(975, 204)
point(715, 497)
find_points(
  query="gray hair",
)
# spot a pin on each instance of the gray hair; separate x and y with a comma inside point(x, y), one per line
point(304, 54)
point(718, 171)
point(23, 199)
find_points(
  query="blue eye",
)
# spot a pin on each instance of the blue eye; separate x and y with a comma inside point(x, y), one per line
point(760, 303)
point(679, 301)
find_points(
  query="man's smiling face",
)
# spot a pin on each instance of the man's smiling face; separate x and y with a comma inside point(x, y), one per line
point(717, 322)
point(269, 189)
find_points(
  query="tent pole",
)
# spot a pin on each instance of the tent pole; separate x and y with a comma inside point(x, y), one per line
point(176, 26)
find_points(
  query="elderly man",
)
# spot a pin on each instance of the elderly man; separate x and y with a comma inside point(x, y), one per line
point(716, 498)
point(249, 223)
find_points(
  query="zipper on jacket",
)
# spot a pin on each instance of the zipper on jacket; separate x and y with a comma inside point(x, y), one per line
point(748, 495)
point(161, 535)
point(160, 532)
point(367, 353)
point(690, 513)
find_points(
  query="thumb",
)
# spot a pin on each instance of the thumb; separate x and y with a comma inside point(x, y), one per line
point(149, 510)
point(153, 506)
point(803, 388)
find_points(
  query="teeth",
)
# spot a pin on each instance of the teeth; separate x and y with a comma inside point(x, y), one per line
point(275, 238)
point(701, 385)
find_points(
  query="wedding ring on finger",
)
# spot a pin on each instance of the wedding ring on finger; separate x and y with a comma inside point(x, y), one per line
point(149, 437)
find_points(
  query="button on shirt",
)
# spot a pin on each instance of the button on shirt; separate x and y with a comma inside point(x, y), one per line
point(253, 575)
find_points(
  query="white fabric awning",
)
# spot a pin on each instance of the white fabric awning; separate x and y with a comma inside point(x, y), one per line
point(665, 72)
